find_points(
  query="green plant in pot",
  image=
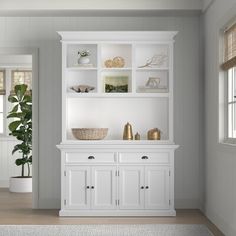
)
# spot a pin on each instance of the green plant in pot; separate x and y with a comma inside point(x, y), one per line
point(21, 128)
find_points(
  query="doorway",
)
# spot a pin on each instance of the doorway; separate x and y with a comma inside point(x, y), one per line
point(18, 61)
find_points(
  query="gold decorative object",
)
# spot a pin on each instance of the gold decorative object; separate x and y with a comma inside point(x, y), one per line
point(137, 136)
point(89, 133)
point(117, 62)
point(128, 134)
point(108, 63)
point(154, 134)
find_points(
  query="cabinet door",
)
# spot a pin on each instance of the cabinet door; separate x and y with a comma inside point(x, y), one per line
point(103, 187)
point(77, 193)
point(157, 187)
point(131, 187)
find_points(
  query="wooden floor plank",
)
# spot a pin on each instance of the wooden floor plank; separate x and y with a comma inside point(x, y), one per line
point(16, 209)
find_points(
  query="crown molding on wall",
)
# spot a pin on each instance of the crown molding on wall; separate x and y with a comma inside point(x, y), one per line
point(98, 13)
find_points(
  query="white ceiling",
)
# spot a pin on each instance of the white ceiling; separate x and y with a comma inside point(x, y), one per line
point(72, 7)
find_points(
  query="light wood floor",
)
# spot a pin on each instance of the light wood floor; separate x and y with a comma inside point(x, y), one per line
point(16, 209)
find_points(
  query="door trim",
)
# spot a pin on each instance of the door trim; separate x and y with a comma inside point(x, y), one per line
point(35, 108)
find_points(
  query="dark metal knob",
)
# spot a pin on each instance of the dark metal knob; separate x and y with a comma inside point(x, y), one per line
point(144, 157)
point(142, 187)
point(91, 157)
point(92, 187)
point(87, 187)
point(147, 187)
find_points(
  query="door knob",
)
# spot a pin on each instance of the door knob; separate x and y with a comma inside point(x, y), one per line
point(144, 157)
point(142, 187)
point(87, 187)
point(92, 187)
point(147, 187)
point(91, 157)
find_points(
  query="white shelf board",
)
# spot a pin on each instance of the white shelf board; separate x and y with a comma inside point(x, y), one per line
point(119, 142)
point(152, 69)
point(117, 95)
point(115, 69)
point(75, 68)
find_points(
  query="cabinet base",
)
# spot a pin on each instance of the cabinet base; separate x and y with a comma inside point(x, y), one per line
point(75, 213)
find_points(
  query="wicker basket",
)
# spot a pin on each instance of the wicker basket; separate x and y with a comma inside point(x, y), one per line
point(90, 133)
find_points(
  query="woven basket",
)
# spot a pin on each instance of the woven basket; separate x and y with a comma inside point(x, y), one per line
point(90, 133)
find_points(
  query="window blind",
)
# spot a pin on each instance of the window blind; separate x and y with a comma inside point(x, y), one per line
point(21, 77)
point(2, 83)
point(229, 48)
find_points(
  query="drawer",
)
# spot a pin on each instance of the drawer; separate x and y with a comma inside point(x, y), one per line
point(151, 157)
point(86, 157)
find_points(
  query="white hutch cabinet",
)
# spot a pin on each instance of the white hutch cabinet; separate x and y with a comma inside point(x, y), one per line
point(116, 177)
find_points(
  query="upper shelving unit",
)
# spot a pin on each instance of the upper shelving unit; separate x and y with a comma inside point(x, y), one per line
point(110, 78)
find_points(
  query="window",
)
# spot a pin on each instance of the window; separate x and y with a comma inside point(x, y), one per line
point(229, 66)
point(231, 103)
point(9, 77)
point(2, 96)
point(21, 77)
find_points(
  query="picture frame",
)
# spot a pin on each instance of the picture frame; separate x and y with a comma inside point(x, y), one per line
point(116, 84)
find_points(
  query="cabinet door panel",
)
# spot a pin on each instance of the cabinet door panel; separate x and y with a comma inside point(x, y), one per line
point(157, 194)
point(130, 182)
point(104, 186)
point(77, 194)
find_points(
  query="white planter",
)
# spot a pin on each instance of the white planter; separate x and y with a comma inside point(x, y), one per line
point(83, 60)
point(20, 185)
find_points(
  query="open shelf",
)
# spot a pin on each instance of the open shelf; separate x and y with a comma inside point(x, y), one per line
point(72, 94)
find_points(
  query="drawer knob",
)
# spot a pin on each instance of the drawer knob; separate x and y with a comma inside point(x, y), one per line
point(142, 187)
point(147, 187)
point(92, 187)
point(91, 157)
point(144, 157)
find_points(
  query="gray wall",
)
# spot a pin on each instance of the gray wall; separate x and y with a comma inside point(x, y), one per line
point(41, 32)
point(220, 159)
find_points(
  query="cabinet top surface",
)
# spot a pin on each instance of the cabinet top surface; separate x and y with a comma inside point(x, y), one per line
point(121, 35)
point(118, 144)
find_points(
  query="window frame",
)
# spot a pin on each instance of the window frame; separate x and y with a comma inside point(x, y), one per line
point(223, 130)
point(4, 103)
point(228, 139)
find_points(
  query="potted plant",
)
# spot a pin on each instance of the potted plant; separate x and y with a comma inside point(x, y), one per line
point(21, 128)
point(83, 57)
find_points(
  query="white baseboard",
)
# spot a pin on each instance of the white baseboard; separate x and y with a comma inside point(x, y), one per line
point(220, 222)
point(187, 204)
point(49, 203)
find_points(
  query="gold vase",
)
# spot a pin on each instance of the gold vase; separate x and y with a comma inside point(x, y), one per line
point(154, 134)
point(128, 134)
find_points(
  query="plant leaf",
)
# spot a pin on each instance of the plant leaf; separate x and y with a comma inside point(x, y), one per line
point(20, 161)
point(20, 91)
point(12, 99)
point(27, 99)
point(14, 109)
point(14, 125)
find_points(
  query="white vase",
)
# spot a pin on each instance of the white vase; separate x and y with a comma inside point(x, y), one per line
point(20, 185)
point(83, 60)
